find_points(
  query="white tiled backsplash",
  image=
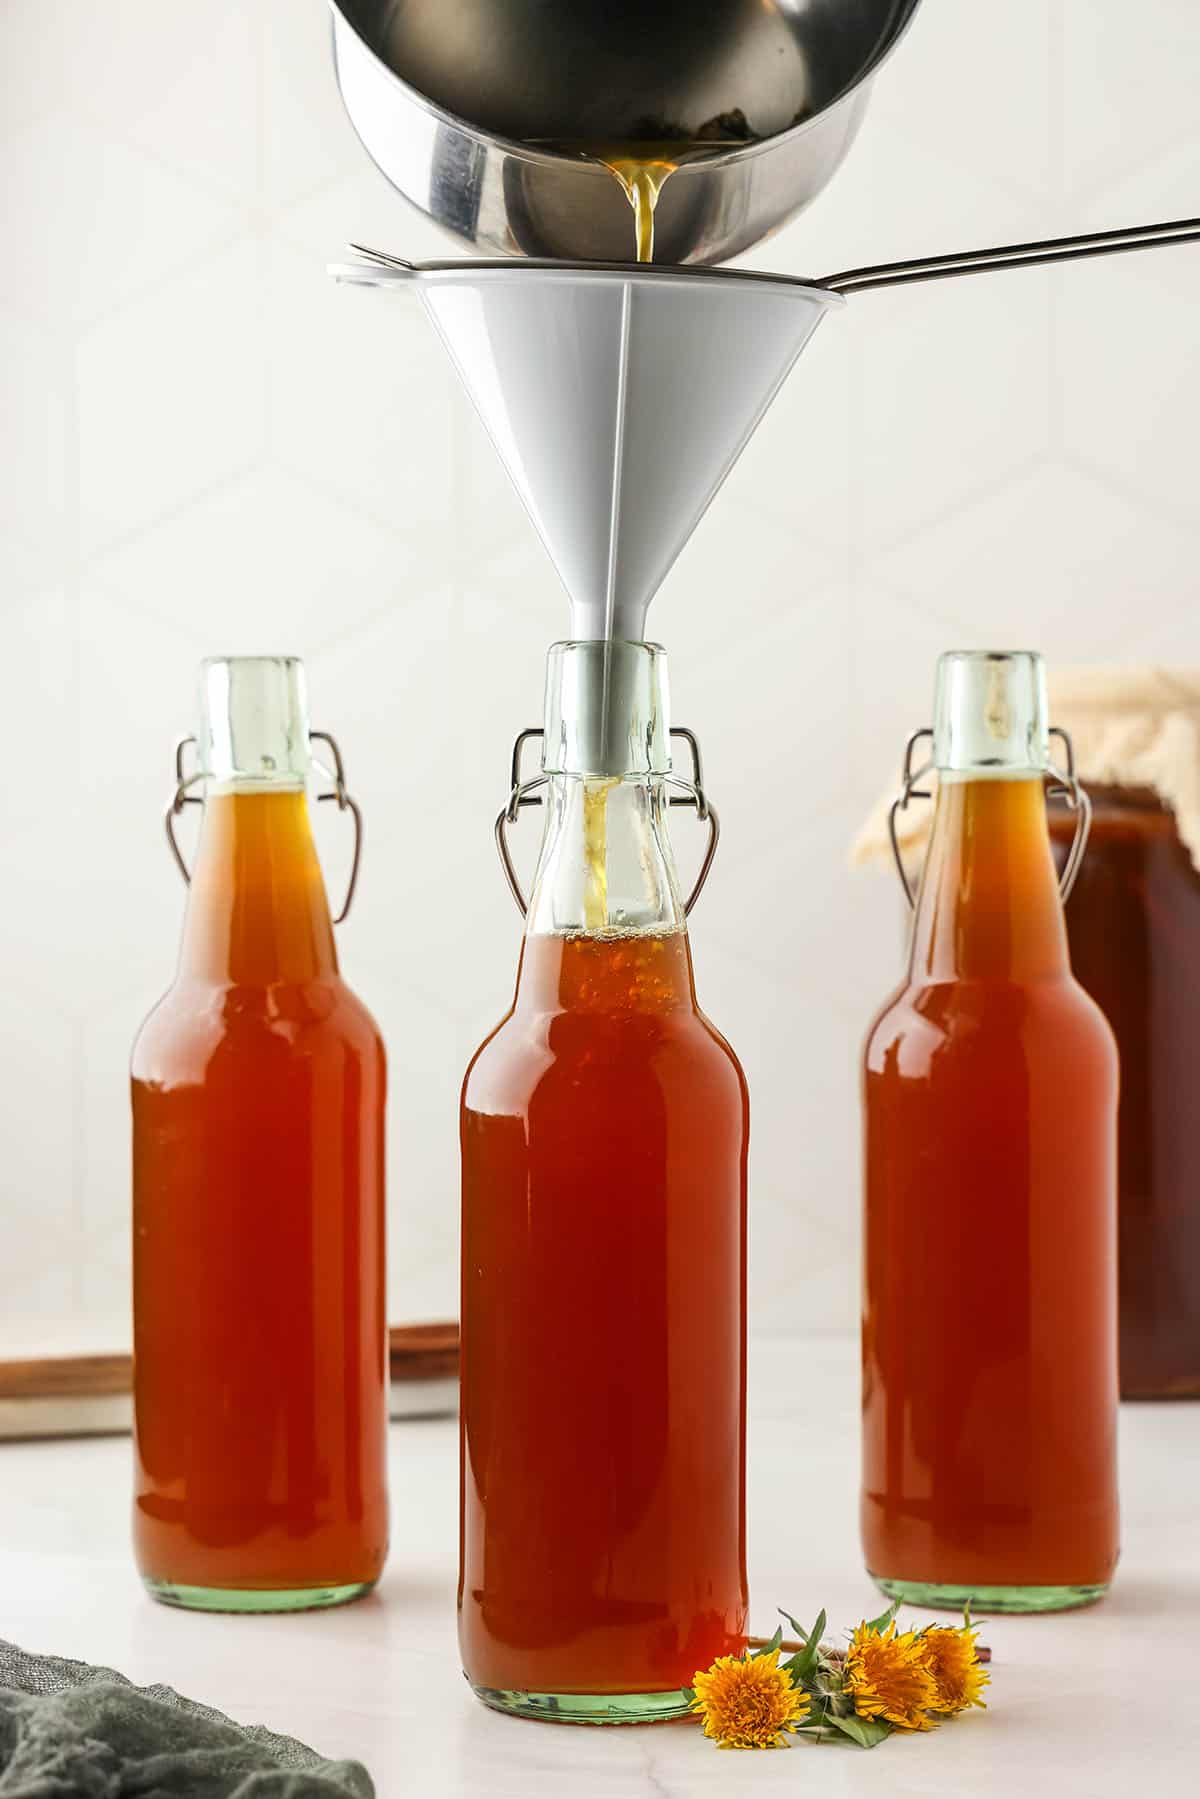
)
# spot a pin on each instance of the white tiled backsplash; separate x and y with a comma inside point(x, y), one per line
point(209, 448)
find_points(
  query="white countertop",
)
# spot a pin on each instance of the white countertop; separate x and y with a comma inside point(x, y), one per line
point(1091, 1703)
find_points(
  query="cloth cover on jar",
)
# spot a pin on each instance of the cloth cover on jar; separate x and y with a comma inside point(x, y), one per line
point(1130, 727)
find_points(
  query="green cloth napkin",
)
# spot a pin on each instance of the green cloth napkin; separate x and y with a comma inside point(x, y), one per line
point(72, 1731)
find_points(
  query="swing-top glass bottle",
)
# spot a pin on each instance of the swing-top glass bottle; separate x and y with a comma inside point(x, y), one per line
point(989, 1311)
point(258, 1198)
point(604, 1132)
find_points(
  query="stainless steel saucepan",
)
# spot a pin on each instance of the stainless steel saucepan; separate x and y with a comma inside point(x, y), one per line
point(460, 102)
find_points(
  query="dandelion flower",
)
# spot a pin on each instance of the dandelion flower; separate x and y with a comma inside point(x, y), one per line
point(749, 1704)
point(888, 1677)
point(951, 1659)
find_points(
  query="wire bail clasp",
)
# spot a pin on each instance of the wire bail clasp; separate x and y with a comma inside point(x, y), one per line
point(1064, 784)
point(183, 796)
point(345, 803)
point(526, 793)
point(1067, 785)
point(694, 793)
point(521, 793)
point(909, 791)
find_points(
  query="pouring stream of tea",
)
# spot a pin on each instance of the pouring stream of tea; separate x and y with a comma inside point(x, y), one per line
point(642, 173)
point(643, 170)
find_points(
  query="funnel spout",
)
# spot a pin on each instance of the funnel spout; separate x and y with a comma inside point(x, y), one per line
point(621, 622)
point(606, 709)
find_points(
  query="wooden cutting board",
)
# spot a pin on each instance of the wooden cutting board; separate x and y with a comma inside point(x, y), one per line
point(63, 1396)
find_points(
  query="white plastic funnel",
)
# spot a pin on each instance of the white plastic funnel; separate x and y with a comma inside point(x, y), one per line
point(618, 398)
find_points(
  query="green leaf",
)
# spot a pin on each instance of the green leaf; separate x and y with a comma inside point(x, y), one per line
point(689, 1693)
point(803, 1664)
point(885, 1618)
point(866, 1732)
point(769, 1648)
point(816, 1719)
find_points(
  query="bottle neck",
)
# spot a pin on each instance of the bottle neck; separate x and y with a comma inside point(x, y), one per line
point(989, 907)
point(606, 867)
point(257, 909)
point(605, 933)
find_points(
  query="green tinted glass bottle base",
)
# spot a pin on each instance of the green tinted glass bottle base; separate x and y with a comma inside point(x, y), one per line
point(587, 1708)
point(983, 1600)
point(254, 1599)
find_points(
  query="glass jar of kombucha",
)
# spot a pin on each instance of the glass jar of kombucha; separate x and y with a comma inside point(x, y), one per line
point(990, 1095)
point(258, 1200)
point(604, 1135)
point(1134, 928)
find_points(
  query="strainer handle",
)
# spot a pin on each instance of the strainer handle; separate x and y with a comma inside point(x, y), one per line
point(1010, 256)
point(372, 268)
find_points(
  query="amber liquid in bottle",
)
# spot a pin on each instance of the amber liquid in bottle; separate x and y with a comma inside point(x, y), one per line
point(259, 1384)
point(604, 1131)
point(989, 1324)
point(603, 1134)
